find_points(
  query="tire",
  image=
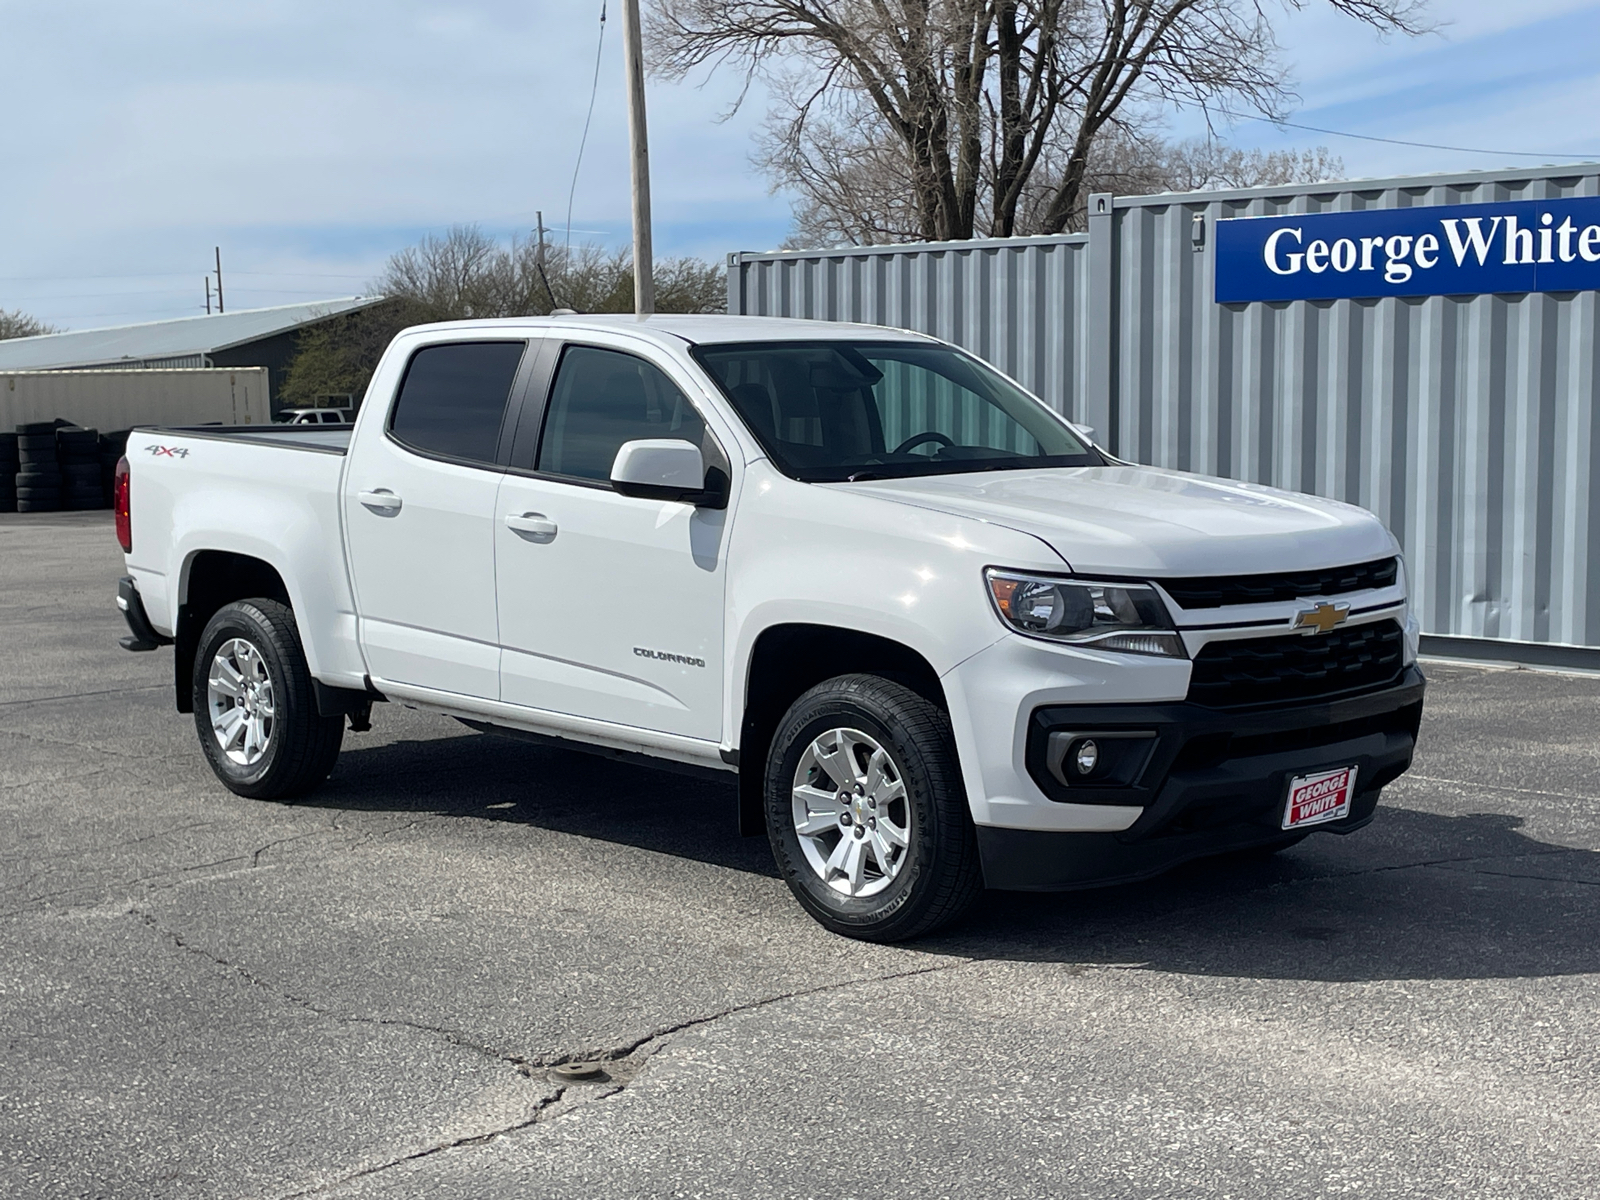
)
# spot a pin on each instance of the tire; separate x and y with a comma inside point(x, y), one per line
point(926, 883)
point(33, 506)
point(36, 443)
point(300, 747)
point(78, 441)
point(38, 493)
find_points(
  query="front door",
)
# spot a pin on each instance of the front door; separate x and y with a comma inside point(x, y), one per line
point(610, 606)
point(419, 514)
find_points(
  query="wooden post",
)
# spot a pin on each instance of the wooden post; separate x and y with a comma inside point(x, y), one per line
point(644, 284)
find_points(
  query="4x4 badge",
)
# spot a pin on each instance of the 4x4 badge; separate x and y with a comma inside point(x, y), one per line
point(1324, 618)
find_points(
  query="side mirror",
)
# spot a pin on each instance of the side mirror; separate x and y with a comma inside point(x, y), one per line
point(667, 469)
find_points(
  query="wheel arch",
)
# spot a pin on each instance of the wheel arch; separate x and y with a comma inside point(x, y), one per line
point(211, 579)
point(787, 659)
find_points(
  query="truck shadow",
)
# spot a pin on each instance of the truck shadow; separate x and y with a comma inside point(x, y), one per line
point(1416, 895)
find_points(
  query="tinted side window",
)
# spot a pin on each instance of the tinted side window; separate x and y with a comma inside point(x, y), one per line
point(454, 397)
point(603, 398)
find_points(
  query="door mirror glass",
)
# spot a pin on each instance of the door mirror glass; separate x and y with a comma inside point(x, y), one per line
point(660, 469)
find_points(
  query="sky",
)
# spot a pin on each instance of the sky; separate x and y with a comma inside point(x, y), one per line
point(311, 139)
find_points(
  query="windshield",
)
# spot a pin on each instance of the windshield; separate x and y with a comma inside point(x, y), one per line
point(831, 411)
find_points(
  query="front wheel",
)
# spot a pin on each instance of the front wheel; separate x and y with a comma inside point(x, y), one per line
point(254, 706)
point(866, 811)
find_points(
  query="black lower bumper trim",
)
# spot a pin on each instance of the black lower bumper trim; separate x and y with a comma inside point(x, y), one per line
point(144, 636)
point(1030, 860)
point(1215, 784)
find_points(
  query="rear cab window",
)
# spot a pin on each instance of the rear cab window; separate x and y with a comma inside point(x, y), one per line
point(452, 402)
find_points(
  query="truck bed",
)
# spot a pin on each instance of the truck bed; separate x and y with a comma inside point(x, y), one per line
point(320, 439)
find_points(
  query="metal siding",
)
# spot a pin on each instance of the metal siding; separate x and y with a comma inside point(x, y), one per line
point(1019, 303)
point(1467, 423)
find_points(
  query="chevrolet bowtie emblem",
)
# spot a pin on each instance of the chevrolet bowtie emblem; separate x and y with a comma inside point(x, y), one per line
point(1324, 618)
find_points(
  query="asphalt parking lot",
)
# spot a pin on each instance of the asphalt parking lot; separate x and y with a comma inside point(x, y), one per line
point(361, 994)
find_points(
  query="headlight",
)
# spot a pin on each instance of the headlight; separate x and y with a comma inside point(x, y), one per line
point(1128, 617)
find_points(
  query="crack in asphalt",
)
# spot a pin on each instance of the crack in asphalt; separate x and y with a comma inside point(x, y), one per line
point(152, 687)
point(80, 747)
point(1412, 776)
point(146, 837)
point(476, 1139)
point(184, 875)
point(551, 1107)
point(648, 1043)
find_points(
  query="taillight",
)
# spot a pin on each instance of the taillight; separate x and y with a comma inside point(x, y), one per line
point(119, 503)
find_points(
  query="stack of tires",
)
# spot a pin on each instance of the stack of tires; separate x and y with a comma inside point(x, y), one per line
point(39, 479)
point(112, 448)
point(9, 466)
point(78, 452)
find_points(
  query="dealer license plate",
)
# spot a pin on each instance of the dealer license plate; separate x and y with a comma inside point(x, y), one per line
point(1324, 796)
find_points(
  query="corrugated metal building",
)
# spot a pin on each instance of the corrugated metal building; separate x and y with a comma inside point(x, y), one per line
point(256, 337)
point(1466, 422)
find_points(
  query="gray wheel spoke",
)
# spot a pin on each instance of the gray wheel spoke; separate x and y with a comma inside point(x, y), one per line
point(881, 850)
point(228, 726)
point(225, 679)
point(892, 834)
point(840, 854)
point(855, 863)
point(839, 762)
point(877, 765)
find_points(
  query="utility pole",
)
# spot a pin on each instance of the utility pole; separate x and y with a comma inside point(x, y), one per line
point(538, 261)
point(220, 309)
point(207, 279)
point(644, 283)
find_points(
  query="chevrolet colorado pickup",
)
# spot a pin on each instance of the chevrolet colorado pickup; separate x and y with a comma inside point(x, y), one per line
point(942, 640)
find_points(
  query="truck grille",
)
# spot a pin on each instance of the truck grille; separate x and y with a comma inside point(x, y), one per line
point(1218, 591)
point(1296, 666)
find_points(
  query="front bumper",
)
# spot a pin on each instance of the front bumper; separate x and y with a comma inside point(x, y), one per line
point(1213, 781)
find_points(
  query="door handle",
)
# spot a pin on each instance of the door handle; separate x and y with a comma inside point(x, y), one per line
point(381, 501)
point(537, 526)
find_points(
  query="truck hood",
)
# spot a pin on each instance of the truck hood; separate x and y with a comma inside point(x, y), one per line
point(1130, 520)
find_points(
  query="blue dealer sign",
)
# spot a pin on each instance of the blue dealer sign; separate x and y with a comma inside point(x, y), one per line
point(1448, 250)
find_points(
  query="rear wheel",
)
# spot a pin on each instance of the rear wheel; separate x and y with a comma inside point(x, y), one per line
point(866, 811)
point(254, 706)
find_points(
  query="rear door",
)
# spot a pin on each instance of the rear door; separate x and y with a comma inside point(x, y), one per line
point(419, 517)
point(611, 606)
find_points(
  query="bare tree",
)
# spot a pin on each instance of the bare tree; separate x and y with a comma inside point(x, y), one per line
point(968, 115)
point(465, 274)
point(18, 324)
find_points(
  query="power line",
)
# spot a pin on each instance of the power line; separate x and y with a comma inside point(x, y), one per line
point(1367, 137)
point(594, 90)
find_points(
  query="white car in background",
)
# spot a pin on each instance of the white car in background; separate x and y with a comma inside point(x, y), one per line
point(315, 416)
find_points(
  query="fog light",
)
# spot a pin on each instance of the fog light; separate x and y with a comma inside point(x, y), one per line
point(1088, 756)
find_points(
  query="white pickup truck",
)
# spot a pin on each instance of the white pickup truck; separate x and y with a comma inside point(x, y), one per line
point(942, 640)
